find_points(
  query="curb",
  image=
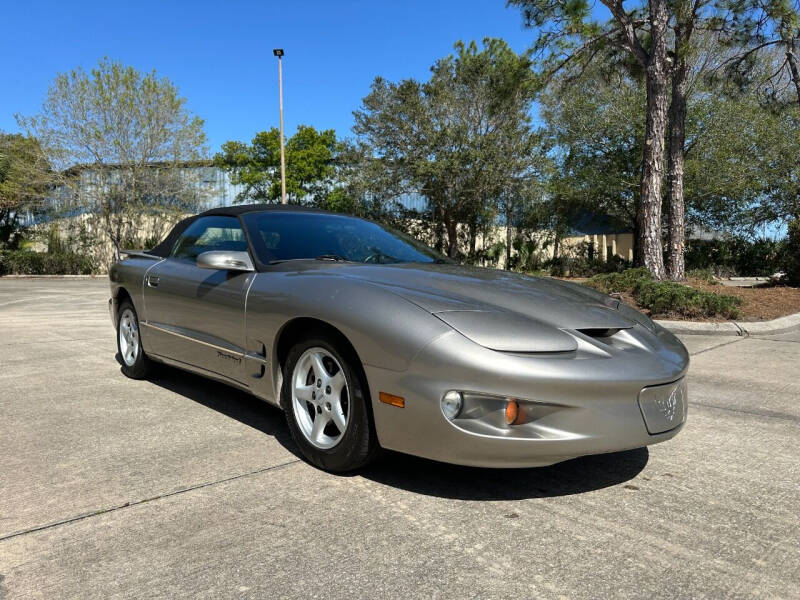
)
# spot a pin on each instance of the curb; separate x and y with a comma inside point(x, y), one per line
point(734, 328)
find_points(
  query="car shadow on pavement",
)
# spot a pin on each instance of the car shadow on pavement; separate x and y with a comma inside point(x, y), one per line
point(413, 474)
point(431, 478)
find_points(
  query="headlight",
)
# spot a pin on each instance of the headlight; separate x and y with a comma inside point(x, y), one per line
point(452, 402)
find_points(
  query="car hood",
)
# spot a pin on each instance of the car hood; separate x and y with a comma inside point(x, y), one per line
point(534, 309)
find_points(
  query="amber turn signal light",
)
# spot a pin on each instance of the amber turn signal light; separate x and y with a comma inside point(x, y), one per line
point(512, 412)
point(393, 400)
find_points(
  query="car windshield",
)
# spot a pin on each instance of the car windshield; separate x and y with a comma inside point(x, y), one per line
point(290, 236)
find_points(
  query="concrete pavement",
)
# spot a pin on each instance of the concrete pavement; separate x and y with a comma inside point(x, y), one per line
point(179, 487)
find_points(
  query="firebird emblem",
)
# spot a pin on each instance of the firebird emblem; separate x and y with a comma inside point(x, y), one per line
point(229, 357)
point(668, 405)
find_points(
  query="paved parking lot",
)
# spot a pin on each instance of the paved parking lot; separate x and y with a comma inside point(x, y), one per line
point(181, 487)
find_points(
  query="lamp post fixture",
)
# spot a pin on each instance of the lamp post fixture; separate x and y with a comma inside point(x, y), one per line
point(279, 53)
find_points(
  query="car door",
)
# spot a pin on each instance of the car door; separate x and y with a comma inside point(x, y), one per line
point(196, 315)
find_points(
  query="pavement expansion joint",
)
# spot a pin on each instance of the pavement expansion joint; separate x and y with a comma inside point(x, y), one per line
point(722, 345)
point(769, 414)
point(103, 511)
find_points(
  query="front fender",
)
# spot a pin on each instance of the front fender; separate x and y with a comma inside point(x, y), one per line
point(386, 330)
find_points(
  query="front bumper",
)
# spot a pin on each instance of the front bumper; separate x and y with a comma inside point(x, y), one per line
point(592, 400)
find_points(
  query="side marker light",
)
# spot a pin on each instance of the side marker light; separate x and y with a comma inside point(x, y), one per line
point(393, 400)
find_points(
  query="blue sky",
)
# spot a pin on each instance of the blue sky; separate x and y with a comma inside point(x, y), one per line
point(220, 54)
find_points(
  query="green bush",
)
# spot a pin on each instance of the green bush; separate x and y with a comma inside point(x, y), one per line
point(583, 266)
point(738, 256)
point(664, 298)
point(624, 281)
point(705, 275)
point(26, 262)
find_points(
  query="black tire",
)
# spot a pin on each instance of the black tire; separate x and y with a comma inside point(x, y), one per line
point(358, 445)
point(142, 366)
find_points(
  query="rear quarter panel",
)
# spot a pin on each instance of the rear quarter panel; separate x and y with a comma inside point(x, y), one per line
point(128, 275)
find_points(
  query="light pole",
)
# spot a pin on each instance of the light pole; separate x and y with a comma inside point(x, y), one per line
point(279, 53)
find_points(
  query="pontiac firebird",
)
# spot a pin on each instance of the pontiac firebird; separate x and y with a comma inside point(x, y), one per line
point(369, 340)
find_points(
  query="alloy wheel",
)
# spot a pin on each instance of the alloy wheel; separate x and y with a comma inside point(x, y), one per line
point(320, 398)
point(129, 345)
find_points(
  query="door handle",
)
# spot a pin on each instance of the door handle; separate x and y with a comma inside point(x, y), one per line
point(152, 280)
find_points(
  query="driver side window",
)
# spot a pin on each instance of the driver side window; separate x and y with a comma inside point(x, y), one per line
point(210, 233)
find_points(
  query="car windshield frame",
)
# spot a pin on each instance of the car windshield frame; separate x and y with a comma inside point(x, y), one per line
point(348, 239)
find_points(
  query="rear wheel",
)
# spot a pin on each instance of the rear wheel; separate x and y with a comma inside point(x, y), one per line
point(135, 363)
point(326, 401)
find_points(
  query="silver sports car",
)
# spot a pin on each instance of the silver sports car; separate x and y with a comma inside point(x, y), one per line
point(368, 339)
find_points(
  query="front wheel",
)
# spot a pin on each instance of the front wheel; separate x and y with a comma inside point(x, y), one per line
point(326, 398)
point(135, 363)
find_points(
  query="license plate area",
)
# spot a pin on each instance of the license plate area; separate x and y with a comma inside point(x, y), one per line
point(664, 406)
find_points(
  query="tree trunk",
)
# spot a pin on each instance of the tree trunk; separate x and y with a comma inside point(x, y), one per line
point(556, 244)
point(676, 225)
point(473, 237)
point(793, 235)
point(438, 229)
point(508, 234)
point(452, 236)
point(791, 57)
point(648, 243)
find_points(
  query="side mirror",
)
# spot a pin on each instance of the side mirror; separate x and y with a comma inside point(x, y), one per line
point(225, 260)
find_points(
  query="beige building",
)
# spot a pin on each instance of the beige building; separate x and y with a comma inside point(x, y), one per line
point(595, 236)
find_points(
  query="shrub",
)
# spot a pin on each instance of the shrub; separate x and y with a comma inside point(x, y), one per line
point(705, 275)
point(583, 266)
point(624, 281)
point(738, 256)
point(26, 262)
point(664, 298)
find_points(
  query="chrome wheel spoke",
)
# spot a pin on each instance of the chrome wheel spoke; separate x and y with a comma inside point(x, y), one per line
point(337, 415)
point(319, 367)
point(337, 383)
point(318, 428)
point(304, 392)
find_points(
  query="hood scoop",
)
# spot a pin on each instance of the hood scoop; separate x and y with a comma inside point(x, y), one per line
point(508, 332)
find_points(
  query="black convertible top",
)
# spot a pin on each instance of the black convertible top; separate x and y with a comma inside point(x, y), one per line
point(235, 211)
point(165, 247)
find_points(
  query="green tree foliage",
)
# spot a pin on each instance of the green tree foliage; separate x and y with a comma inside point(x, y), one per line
point(742, 171)
point(25, 177)
point(596, 131)
point(462, 139)
point(755, 27)
point(118, 135)
point(740, 159)
point(311, 166)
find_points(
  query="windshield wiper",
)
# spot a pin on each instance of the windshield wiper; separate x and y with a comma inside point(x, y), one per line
point(333, 257)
